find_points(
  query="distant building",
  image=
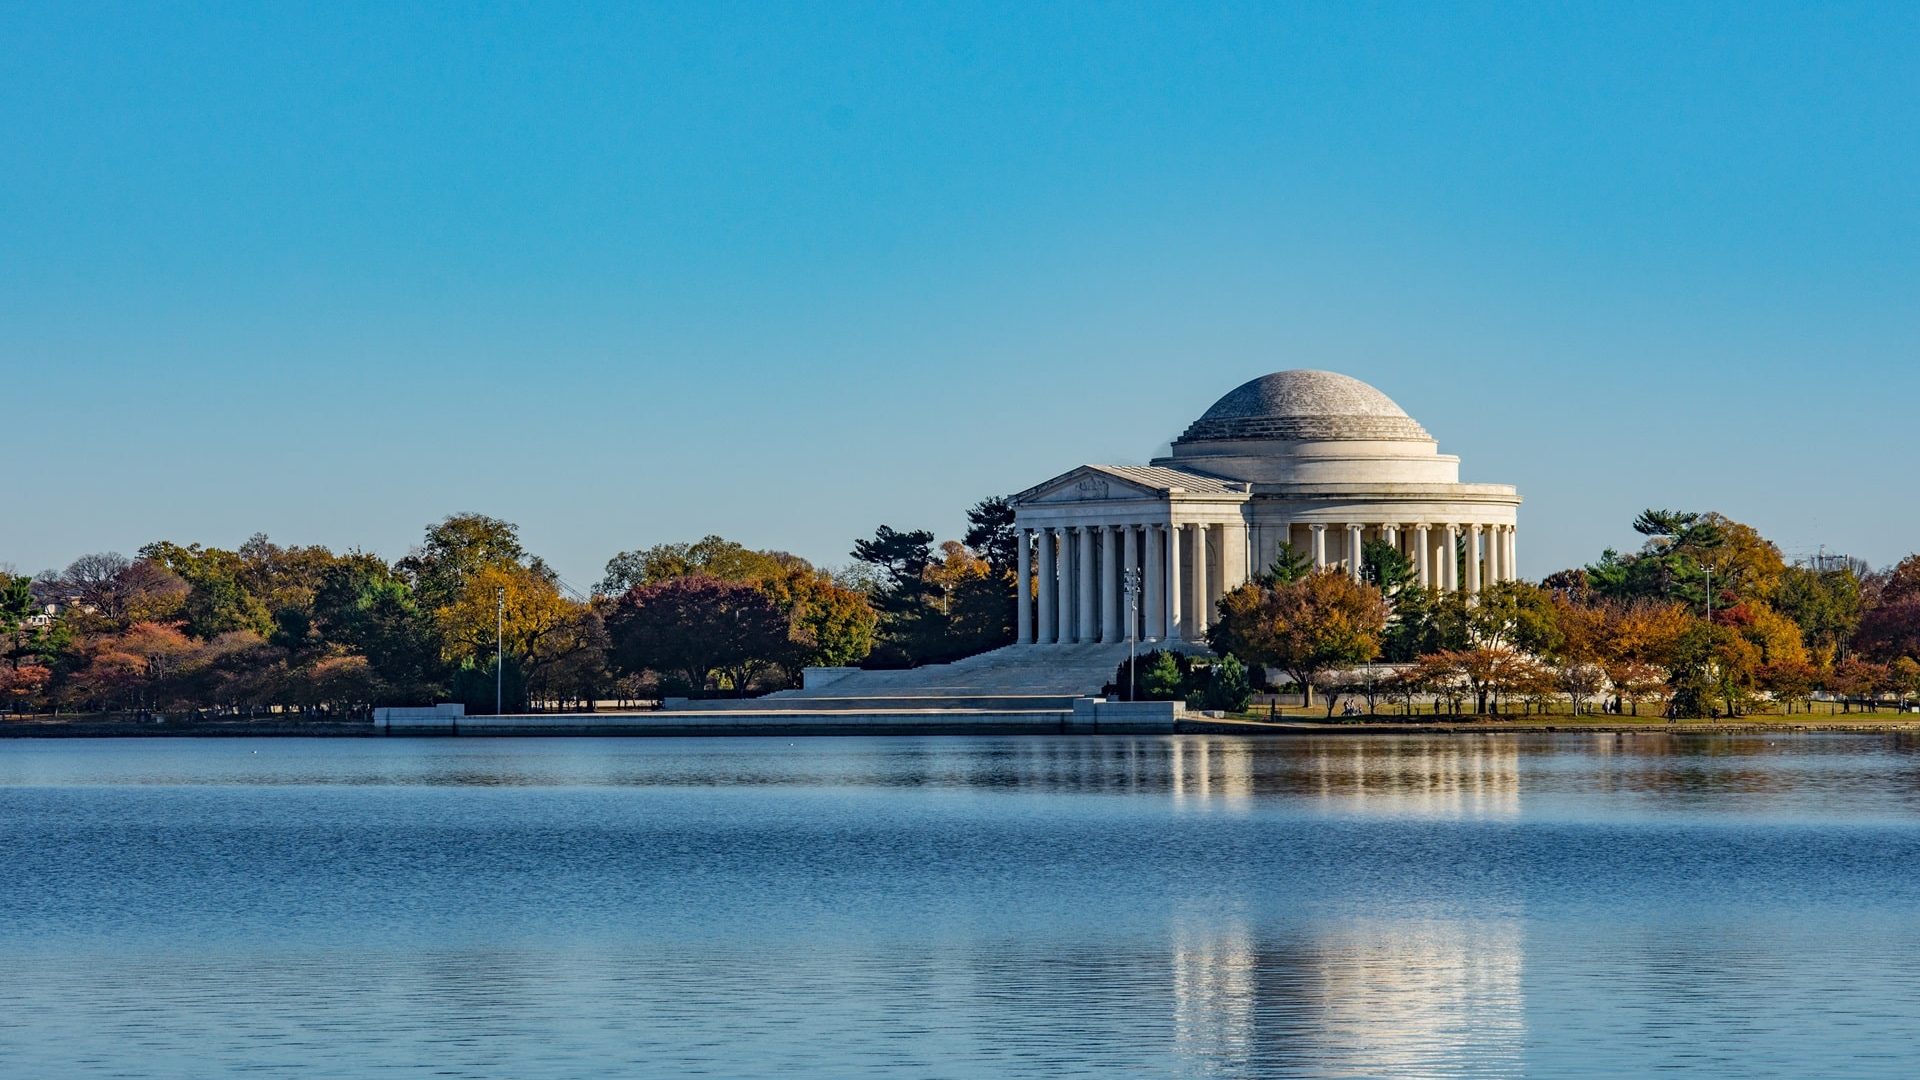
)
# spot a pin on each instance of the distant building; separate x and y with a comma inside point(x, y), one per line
point(1313, 458)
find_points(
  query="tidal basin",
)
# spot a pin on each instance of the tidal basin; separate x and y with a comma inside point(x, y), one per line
point(1361, 906)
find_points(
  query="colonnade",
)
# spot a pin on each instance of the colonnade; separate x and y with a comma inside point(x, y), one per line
point(1179, 572)
point(1182, 570)
point(1451, 557)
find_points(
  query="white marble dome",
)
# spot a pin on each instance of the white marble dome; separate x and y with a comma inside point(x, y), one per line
point(1303, 405)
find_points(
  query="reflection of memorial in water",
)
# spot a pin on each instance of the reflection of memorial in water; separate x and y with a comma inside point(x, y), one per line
point(1194, 769)
point(1374, 998)
point(1441, 777)
point(1214, 771)
point(1214, 994)
point(1451, 776)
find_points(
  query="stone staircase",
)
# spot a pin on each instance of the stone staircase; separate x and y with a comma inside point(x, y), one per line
point(1016, 677)
point(1016, 688)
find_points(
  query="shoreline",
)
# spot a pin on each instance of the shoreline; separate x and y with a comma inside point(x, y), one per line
point(95, 728)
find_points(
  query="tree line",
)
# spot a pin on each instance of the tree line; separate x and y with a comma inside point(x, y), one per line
point(266, 628)
point(1705, 619)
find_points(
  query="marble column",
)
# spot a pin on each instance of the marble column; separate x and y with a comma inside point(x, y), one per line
point(1495, 570)
point(1085, 629)
point(1449, 558)
point(1155, 597)
point(1049, 585)
point(1234, 547)
point(1319, 546)
point(1473, 559)
point(1023, 618)
point(1063, 603)
point(1422, 558)
point(1353, 551)
point(1110, 582)
point(1176, 618)
point(1513, 551)
point(1202, 598)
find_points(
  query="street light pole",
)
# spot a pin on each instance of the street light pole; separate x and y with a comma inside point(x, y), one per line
point(1133, 617)
point(499, 651)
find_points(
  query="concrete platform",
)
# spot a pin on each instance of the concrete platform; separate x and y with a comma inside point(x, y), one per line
point(1083, 716)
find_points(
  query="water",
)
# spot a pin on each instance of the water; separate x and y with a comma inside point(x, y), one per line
point(1478, 906)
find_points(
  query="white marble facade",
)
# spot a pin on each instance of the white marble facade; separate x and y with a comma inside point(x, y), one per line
point(1314, 458)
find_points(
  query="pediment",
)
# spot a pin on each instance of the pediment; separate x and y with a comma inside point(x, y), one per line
point(1084, 484)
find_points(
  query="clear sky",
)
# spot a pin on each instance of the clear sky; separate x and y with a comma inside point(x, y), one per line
point(626, 274)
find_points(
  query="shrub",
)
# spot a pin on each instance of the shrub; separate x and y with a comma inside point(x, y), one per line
point(1163, 676)
point(1228, 688)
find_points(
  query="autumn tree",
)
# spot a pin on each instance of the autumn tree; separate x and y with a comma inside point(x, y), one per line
point(1444, 675)
point(455, 549)
point(285, 579)
point(1514, 615)
point(695, 631)
point(1647, 631)
point(1903, 678)
point(1635, 681)
point(1714, 671)
point(111, 591)
point(1890, 626)
point(1374, 682)
point(1579, 679)
point(141, 667)
point(1490, 674)
point(1322, 621)
point(21, 684)
point(1538, 685)
point(1824, 604)
point(709, 556)
point(1685, 551)
point(523, 611)
point(1777, 638)
point(1789, 682)
point(1855, 681)
point(217, 599)
point(828, 625)
point(1408, 682)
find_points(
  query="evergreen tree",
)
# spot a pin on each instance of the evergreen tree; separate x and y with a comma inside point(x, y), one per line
point(1290, 564)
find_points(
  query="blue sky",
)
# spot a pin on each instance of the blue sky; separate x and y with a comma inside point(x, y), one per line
point(628, 274)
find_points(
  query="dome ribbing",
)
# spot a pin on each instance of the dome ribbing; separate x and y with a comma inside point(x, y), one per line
point(1304, 405)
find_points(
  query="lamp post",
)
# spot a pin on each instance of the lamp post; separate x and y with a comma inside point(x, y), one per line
point(499, 651)
point(1132, 576)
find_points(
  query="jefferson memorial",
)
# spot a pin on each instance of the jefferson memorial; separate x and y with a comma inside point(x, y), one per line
point(1312, 458)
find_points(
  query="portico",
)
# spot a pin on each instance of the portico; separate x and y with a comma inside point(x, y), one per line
point(1312, 459)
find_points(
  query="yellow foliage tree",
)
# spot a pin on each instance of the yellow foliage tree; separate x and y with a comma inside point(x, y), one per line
point(538, 625)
